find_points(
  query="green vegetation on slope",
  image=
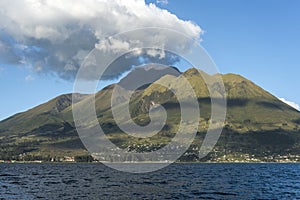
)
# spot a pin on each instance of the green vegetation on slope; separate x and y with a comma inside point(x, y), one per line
point(257, 123)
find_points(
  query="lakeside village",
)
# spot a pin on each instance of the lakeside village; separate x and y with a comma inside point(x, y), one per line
point(23, 158)
point(216, 156)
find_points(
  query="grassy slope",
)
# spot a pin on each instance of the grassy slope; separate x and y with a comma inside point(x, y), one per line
point(252, 113)
point(42, 130)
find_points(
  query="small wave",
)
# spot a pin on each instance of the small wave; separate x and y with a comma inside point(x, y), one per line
point(4, 175)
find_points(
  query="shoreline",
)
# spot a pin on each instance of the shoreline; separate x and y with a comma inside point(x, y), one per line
point(98, 162)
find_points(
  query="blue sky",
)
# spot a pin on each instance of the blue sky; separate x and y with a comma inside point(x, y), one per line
point(257, 39)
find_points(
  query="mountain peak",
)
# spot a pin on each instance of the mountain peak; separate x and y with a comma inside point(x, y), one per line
point(192, 71)
point(148, 74)
point(230, 77)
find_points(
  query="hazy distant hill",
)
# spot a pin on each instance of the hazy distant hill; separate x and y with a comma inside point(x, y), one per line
point(258, 125)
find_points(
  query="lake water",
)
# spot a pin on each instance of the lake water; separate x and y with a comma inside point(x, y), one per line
point(178, 181)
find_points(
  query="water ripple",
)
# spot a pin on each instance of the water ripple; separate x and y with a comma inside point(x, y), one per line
point(178, 181)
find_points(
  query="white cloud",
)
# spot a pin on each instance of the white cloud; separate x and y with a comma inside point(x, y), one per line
point(29, 78)
point(290, 103)
point(55, 35)
point(163, 2)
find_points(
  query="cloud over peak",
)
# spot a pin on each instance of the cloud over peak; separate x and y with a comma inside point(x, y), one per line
point(54, 36)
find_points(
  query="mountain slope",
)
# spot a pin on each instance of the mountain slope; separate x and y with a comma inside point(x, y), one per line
point(41, 129)
point(257, 123)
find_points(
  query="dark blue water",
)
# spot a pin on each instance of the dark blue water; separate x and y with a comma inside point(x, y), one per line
point(178, 181)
